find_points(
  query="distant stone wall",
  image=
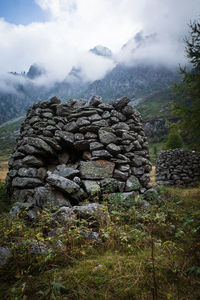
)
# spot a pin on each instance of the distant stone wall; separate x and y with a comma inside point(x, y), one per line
point(178, 167)
point(67, 152)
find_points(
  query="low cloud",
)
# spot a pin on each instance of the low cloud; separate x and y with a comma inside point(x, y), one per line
point(75, 26)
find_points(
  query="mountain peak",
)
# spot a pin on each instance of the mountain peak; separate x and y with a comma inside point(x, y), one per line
point(101, 51)
point(35, 71)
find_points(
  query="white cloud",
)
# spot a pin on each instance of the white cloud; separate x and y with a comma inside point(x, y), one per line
point(75, 26)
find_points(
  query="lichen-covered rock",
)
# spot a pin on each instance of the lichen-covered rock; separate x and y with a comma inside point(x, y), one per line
point(96, 169)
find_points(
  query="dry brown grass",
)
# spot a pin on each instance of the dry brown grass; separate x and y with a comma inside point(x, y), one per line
point(153, 175)
point(3, 170)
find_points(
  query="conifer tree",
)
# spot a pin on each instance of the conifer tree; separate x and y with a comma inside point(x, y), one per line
point(189, 89)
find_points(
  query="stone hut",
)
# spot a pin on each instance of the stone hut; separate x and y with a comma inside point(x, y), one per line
point(69, 152)
point(178, 167)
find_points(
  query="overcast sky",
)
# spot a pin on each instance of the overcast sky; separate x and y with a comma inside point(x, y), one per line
point(58, 33)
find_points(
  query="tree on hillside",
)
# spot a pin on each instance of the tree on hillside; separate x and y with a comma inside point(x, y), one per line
point(174, 139)
point(189, 89)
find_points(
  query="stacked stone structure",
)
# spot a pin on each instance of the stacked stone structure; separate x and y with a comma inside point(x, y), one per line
point(67, 152)
point(178, 167)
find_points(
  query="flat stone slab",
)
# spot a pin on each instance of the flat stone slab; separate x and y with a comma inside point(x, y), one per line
point(98, 169)
point(62, 183)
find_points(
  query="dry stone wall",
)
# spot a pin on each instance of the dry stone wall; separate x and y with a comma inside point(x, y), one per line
point(178, 167)
point(68, 152)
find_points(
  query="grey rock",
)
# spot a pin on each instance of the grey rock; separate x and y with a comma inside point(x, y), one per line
point(47, 115)
point(13, 173)
point(79, 137)
point(95, 117)
point(92, 187)
point(113, 149)
point(95, 101)
point(137, 145)
point(90, 135)
point(41, 173)
point(138, 161)
point(68, 137)
point(77, 180)
point(32, 161)
point(124, 168)
point(114, 120)
point(121, 125)
point(46, 194)
point(36, 247)
point(31, 150)
point(120, 103)
point(82, 122)
point(39, 143)
point(98, 169)
point(106, 115)
point(96, 146)
point(105, 106)
point(106, 136)
point(54, 100)
point(118, 115)
point(27, 172)
point(138, 171)
point(101, 154)
point(93, 211)
point(128, 110)
point(91, 235)
point(89, 128)
point(5, 253)
point(26, 182)
point(66, 172)
point(101, 123)
point(132, 184)
point(120, 175)
point(62, 183)
point(71, 127)
point(64, 215)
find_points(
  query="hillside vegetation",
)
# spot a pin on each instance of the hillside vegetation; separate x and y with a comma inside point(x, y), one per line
point(140, 255)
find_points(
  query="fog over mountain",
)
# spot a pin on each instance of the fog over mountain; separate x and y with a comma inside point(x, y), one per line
point(91, 43)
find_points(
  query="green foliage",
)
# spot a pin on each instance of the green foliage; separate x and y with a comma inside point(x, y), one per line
point(189, 89)
point(8, 134)
point(140, 254)
point(174, 139)
point(4, 200)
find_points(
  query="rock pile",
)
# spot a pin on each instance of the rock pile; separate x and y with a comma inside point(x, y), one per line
point(67, 152)
point(178, 167)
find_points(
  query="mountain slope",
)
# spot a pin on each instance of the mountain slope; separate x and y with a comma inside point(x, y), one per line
point(132, 81)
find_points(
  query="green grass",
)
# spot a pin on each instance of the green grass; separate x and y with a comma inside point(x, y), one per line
point(156, 258)
point(157, 105)
point(8, 137)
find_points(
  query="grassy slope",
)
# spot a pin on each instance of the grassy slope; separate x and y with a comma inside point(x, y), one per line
point(8, 134)
point(157, 105)
point(155, 259)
